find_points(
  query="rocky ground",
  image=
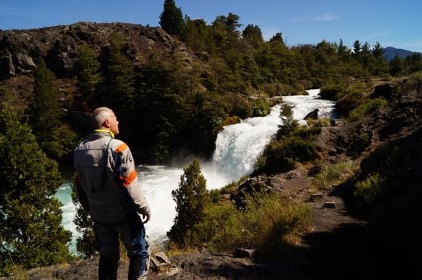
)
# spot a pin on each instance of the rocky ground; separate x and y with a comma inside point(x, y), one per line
point(339, 247)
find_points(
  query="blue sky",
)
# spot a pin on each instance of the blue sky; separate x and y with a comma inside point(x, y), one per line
point(391, 23)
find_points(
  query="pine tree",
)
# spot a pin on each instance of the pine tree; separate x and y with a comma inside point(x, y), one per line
point(118, 87)
point(31, 234)
point(89, 75)
point(252, 33)
point(45, 115)
point(191, 199)
point(171, 19)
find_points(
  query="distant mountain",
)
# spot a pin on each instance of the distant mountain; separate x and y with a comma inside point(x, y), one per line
point(391, 52)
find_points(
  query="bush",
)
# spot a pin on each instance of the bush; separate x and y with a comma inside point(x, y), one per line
point(332, 174)
point(269, 224)
point(366, 108)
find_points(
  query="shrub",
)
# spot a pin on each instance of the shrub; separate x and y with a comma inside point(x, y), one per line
point(366, 108)
point(332, 174)
point(270, 223)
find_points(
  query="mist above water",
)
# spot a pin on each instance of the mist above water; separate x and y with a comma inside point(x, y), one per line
point(237, 148)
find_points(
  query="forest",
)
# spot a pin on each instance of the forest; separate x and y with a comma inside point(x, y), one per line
point(170, 103)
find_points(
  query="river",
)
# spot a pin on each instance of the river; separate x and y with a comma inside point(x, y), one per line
point(237, 148)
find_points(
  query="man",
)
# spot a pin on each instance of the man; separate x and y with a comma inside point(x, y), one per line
point(107, 187)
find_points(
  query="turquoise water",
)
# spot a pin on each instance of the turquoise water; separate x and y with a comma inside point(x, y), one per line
point(64, 195)
point(237, 148)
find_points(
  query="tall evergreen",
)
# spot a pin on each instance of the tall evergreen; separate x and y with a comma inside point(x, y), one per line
point(252, 33)
point(45, 110)
point(118, 86)
point(191, 198)
point(45, 115)
point(88, 74)
point(171, 19)
point(31, 234)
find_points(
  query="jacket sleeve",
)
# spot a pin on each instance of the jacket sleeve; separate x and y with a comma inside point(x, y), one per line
point(127, 175)
point(80, 194)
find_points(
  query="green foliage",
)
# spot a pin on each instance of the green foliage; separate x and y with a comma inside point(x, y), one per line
point(252, 34)
point(191, 200)
point(289, 124)
point(367, 108)
point(350, 98)
point(369, 190)
point(46, 115)
point(31, 231)
point(292, 145)
point(282, 155)
point(381, 183)
point(119, 77)
point(270, 224)
point(86, 244)
point(171, 19)
point(9, 99)
point(198, 36)
point(88, 74)
point(261, 108)
point(388, 193)
point(332, 174)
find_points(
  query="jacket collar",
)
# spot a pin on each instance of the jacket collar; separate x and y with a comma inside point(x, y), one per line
point(106, 131)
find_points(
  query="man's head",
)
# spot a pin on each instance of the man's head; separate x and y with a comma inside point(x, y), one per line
point(104, 118)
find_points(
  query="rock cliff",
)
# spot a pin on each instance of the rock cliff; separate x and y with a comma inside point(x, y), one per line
point(58, 45)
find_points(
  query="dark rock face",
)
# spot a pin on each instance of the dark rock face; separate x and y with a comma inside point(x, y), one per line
point(312, 115)
point(386, 91)
point(59, 45)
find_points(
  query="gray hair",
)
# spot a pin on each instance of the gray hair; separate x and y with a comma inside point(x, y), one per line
point(99, 116)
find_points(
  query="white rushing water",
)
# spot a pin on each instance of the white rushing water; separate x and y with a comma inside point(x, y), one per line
point(237, 148)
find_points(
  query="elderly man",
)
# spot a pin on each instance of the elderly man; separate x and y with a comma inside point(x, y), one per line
point(107, 187)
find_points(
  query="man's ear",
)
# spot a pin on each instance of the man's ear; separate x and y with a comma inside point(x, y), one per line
point(106, 123)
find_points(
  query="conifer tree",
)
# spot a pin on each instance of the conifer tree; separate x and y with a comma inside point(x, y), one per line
point(118, 87)
point(45, 115)
point(171, 19)
point(31, 234)
point(252, 33)
point(191, 199)
point(45, 111)
point(89, 75)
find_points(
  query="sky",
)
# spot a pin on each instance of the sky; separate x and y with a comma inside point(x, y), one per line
point(391, 23)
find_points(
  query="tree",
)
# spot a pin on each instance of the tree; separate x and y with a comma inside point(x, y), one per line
point(191, 199)
point(378, 51)
point(31, 234)
point(171, 19)
point(88, 73)
point(45, 115)
point(118, 87)
point(198, 36)
point(252, 34)
point(225, 31)
point(86, 244)
point(357, 48)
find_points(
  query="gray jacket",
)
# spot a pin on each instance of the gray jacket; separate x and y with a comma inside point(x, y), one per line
point(106, 179)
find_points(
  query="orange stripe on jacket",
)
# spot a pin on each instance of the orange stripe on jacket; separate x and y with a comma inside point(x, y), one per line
point(121, 148)
point(126, 181)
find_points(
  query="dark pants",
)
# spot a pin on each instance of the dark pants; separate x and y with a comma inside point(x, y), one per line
point(132, 235)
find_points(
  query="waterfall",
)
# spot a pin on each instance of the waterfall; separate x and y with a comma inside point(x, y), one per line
point(237, 148)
